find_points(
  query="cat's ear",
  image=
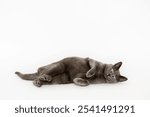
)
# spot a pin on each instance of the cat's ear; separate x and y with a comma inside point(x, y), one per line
point(117, 66)
point(122, 78)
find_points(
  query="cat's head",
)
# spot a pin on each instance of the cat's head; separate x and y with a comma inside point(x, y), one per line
point(112, 73)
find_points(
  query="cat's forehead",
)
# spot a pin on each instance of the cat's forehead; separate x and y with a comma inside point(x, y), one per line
point(108, 68)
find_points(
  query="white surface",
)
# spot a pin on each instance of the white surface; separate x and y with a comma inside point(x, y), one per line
point(34, 33)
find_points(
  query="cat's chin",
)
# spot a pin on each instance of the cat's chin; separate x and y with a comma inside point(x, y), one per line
point(111, 82)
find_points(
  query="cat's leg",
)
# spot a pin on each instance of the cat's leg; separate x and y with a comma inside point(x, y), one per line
point(80, 80)
point(47, 72)
point(45, 77)
point(93, 66)
point(52, 69)
point(42, 79)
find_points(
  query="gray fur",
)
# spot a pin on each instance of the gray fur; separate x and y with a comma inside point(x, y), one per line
point(81, 71)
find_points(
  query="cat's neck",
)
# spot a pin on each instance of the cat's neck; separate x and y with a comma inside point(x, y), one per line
point(103, 66)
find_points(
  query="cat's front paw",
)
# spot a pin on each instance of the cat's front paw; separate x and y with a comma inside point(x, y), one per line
point(37, 83)
point(89, 74)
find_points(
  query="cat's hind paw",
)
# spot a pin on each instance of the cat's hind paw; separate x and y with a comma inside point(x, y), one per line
point(37, 83)
point(81, 82)
point(45, 77)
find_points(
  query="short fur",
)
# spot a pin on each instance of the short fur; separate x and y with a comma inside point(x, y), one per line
point(81, 71)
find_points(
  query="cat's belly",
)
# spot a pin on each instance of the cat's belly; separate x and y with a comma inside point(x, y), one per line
point(97, 80)
point(75, 66)
point(61, 79)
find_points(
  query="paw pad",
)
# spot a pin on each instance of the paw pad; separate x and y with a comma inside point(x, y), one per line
point(45, 78)
point(37, 83)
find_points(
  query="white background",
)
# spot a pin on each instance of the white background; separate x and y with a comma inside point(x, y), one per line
point(34, 33)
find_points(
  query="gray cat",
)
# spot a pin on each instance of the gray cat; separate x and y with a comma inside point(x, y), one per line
point(81, 71)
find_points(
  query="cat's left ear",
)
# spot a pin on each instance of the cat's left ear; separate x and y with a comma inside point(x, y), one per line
point(117, 66)
point(122, 78)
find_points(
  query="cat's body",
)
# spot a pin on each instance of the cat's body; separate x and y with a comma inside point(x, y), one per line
point(81, 71)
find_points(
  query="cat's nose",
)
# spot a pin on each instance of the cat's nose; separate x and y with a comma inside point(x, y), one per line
point(108, 75)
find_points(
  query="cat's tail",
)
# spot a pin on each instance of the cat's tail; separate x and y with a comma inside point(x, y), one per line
point(27, 76)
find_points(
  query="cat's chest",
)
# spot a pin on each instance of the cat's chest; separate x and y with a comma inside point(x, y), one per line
point(97, 79)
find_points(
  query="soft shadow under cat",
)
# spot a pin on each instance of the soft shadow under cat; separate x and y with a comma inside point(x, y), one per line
point(80, 71)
